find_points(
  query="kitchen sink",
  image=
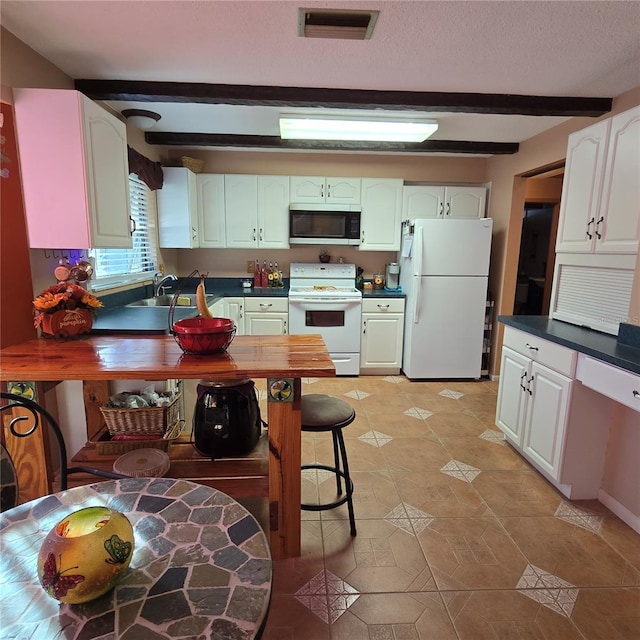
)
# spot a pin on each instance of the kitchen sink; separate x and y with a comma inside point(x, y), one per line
point(184, 300)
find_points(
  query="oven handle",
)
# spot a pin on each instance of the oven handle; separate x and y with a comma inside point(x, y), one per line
point(336, 304)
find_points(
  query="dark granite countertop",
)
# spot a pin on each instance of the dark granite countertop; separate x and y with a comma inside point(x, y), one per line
point(382, 293)
point(593, 343)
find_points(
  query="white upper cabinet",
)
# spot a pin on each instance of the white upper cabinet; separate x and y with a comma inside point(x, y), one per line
point(380, 223)
point(313, 189)
point(422, 201)
point(241, 211)
point(619, 231)
point(600, 206)
point(178, 209)
point(273, 212)
point(257, 211)
point(211, 213)
point(75, 170)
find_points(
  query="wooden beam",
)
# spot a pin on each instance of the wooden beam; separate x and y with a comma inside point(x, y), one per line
point(275, 142)
point(188, 92)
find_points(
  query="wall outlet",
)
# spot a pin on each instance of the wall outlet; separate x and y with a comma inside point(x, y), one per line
point(251, 265)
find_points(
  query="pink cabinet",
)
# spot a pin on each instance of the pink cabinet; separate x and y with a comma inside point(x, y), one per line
point(75, 174)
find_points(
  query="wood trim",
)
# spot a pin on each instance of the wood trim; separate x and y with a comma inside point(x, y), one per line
point(184, 92)
point(275, 142)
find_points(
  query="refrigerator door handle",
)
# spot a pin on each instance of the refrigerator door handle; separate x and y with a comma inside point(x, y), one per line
point(416, 299)
point(418, 245)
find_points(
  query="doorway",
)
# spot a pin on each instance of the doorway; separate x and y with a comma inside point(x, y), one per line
point(537, 245)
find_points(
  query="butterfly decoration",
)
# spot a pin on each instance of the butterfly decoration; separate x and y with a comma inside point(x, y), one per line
point(54, 580)
point(118, 549)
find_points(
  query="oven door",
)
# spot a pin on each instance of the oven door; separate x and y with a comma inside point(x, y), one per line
point(336, 320)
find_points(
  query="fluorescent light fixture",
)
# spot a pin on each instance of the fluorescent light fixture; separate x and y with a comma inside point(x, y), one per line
point(357, 128)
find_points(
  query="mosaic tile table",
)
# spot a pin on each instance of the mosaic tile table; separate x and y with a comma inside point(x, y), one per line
point(201, 567)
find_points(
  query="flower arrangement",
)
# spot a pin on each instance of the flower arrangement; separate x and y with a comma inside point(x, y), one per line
point(63, 297)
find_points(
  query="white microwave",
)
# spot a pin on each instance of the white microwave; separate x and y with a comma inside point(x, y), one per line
point(324, 224)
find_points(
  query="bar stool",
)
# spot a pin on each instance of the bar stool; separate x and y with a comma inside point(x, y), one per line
point(321, 413)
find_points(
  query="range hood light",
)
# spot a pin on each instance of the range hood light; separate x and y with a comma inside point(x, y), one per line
point(367, 129)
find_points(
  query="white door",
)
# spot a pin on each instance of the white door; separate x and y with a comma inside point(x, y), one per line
point(444, 328)
point(452, 247)
point(381, 343)
point(619, 228)
point(581, 188)
point(273, 212)
point(306, 189)
point(512, 394)
point(422, 202)
point(546, 418)
point(381, 214)
point(465, 202)
point(211, 223)
point(265, 324)
point(345, 190)
point(241, 211)
point(234, 309)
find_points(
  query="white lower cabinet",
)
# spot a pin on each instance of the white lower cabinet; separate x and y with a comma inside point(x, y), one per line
point(551, 419)
point(382, 336)
point(234, 309)
point(266, 316)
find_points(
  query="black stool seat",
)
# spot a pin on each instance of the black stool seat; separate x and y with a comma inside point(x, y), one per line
point(322, 413)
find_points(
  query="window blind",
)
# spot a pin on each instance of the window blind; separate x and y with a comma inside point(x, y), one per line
point(118, 266)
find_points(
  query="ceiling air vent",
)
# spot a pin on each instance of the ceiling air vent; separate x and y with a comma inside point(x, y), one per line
point(336, 23)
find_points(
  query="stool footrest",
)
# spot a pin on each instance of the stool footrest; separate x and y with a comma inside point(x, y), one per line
point(329, 505)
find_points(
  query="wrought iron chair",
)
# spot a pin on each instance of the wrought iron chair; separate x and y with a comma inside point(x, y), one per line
point(24, 424)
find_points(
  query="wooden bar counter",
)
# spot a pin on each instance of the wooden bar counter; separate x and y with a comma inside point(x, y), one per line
point(282, 360)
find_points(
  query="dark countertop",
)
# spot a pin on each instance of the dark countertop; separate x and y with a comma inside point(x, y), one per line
point(116, 317)
point(593, 343)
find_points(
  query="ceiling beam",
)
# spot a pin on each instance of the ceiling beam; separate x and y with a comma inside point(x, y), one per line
point(189, 92)
point(275, 142)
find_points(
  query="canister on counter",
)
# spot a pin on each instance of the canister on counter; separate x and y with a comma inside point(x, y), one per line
point(378, 280)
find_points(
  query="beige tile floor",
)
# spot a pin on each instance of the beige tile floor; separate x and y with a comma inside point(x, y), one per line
point(458, 537)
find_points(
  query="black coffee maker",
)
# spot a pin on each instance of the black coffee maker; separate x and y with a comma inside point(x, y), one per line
point(226, 420)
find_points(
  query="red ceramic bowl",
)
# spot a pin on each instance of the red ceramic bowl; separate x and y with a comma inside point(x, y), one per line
point(202, 336)
point(203, 325)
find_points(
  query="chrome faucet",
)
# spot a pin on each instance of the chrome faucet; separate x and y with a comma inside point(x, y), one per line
point(159, 284)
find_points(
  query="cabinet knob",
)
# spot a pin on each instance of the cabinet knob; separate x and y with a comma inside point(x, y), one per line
point(364, 327)
point(529, 346)
point(636, 393)
point(598, 234)
point(448, 208)
point(254, 233)
point(522, 377)
point(133, 225)
point(383, 307)
point(260, 234)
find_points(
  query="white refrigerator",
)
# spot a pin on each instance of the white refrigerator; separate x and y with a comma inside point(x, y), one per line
point(444, 267)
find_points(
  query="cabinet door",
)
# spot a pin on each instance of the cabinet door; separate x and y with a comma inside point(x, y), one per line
point(178, 209)
point(306, 189)
point(381, 340)
point(422, 202)
point(546, 418)
point(512, 394)
point(618, 227)
point(381, 214)
point(211, 222)
point(273, 212)
point(581, 188)
point(234, 309)
point(465, 202)
point(107, 176)
point(265, 324)
point(345, 190)
point(241, 211)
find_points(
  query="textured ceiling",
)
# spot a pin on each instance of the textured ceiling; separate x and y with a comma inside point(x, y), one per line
point(580, 49)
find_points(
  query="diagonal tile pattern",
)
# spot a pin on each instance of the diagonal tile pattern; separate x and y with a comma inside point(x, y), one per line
point(458, 537)
point(549, 590)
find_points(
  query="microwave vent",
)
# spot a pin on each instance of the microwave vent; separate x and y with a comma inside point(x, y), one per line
point(337, 24)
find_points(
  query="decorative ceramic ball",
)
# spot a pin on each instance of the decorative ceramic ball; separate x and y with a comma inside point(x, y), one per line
point(85, 554)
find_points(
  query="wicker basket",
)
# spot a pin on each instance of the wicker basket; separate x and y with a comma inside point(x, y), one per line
point(192, 164)
point(145, 421)
point(105, 444)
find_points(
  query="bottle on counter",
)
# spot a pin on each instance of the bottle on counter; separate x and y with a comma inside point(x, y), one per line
point(270, 275)
point(264, 276)
point(256, 274)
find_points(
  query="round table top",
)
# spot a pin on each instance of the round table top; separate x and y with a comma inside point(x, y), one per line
point(201, 566)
